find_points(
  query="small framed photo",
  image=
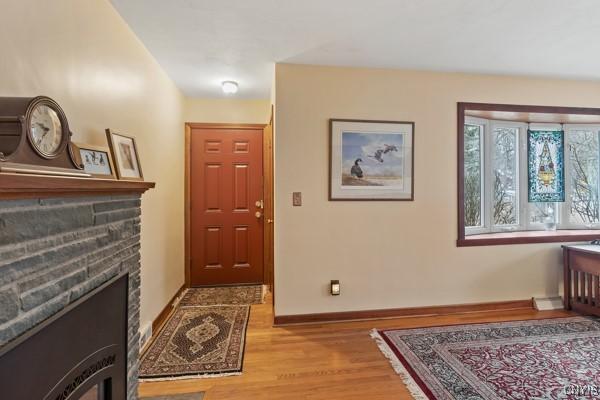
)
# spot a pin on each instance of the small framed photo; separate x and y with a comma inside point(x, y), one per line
point(371, 160)
point(96, 160)
point(125, 156)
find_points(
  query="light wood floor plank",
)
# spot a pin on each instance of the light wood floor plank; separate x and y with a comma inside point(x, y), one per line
point(320, 361)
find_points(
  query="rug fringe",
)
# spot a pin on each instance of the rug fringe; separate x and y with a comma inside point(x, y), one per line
point(184, 377)
point(408, 380)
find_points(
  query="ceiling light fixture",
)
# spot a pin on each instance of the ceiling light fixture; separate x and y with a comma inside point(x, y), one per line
point(229, 87)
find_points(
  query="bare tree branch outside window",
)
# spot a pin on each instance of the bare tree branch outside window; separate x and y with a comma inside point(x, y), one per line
point(583, 153)
point(472, 175)
point(505, 176)
point(582, 156)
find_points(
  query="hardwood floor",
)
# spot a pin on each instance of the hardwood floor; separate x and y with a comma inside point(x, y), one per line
point(320, 361)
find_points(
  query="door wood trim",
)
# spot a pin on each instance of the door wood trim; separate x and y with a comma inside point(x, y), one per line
point(187, 184)
point(202, 125)
point(269, 203)
point(187, 207)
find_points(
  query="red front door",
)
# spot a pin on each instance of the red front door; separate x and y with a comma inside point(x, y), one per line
point(226, 185)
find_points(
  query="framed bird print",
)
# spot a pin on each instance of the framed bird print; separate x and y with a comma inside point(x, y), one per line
point(371, 160)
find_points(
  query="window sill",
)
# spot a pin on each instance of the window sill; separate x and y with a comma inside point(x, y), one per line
point(492, 239)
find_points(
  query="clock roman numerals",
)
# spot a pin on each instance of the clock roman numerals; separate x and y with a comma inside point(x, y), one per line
point(46, 130)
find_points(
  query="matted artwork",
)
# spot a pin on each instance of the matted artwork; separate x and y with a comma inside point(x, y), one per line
point(371, 160)
point(96, 160)
point(546, 173)
point(125, 156)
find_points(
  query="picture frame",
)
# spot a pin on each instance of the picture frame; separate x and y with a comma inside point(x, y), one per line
point(371, 160)
point(125, 156)
point(96, 160)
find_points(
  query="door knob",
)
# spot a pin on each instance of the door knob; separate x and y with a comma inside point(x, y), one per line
point(260, 204)
point(258, 214)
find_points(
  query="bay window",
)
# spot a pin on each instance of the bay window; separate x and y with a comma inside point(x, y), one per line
point(495, 178)
point(500, 202)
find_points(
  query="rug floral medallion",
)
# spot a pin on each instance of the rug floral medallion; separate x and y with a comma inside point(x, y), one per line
point(537, 359)
point(198, 341)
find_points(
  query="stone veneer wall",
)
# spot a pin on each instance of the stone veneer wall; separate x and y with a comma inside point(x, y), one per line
point(53, 251)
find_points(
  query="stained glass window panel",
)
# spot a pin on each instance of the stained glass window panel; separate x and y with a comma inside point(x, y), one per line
point(505, 177)
point(583, 174)
point(473, 175)
point(546, 181)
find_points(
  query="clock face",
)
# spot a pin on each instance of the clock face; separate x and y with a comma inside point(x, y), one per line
point(46, 130)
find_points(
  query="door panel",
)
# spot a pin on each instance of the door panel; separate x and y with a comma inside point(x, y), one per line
point(213, 247)
point(241, 187)
point(241, 247)
point(226, 189)
point(241, 146)
point(212, 187)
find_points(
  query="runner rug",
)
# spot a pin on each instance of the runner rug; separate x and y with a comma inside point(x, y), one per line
point(230, 295)
point(204, 336)
point(537, 359)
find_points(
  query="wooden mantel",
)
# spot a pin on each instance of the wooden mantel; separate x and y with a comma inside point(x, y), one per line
point(19, 186)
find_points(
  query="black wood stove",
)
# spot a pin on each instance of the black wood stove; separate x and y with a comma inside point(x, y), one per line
point(79, 353)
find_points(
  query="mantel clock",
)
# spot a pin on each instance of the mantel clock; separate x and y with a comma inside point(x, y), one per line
point(35, 138)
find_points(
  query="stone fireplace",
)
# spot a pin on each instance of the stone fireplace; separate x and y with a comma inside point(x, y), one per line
point(60, 239)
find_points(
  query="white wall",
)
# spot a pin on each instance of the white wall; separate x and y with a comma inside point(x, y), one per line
point(83, 55)
point(394, 254)
point(237, 111)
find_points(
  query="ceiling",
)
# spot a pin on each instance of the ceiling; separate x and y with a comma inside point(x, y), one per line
point(203, 42)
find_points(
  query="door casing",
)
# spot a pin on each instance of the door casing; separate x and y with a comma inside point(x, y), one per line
point(267, 193)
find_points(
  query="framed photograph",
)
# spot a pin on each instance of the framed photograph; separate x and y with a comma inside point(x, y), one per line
point(545, 169)
point(371, 160)
point(125, 156)
point(96, 160)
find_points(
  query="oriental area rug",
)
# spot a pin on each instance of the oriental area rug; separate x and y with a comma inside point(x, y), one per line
point(537, 359)
point(203, 337)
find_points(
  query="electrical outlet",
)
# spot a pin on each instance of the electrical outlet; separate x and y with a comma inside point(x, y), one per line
point(335, 287)
point(297, 199)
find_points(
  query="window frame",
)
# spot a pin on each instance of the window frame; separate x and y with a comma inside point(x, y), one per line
point(522, 236)
point(566, 224)
point(484, 148)
point(521, 160)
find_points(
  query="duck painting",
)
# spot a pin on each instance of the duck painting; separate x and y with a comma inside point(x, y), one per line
point(356, 171)
point(380, 152)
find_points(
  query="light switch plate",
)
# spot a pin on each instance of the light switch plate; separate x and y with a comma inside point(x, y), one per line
point(296, 199)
